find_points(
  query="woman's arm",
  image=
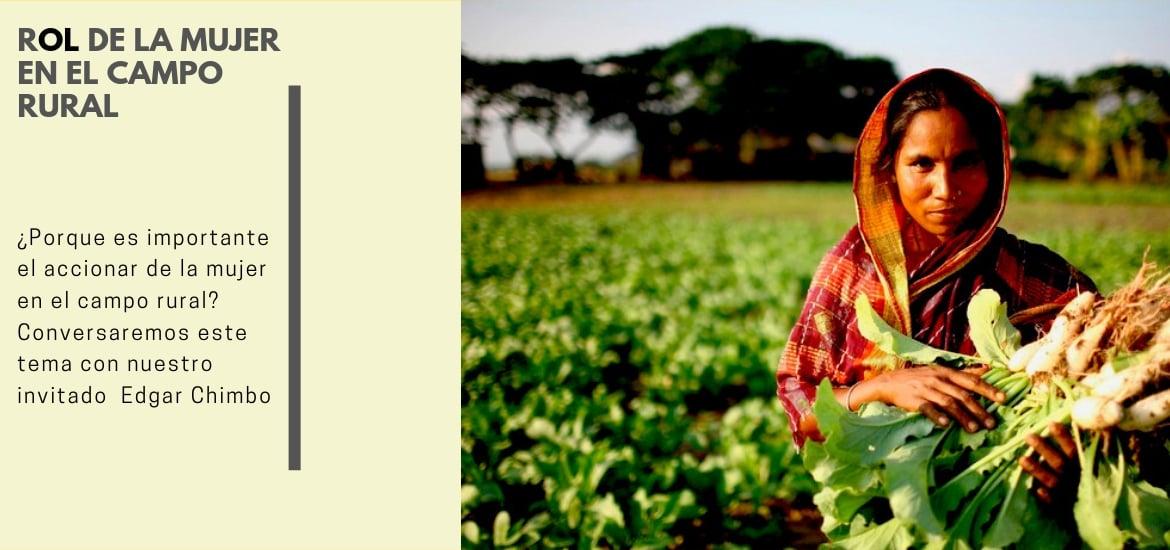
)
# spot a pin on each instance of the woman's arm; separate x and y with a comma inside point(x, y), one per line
point(808, 422)
point(941, 393)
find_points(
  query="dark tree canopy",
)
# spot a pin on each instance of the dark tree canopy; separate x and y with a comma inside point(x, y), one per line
point(700, 99)
point(723, 103)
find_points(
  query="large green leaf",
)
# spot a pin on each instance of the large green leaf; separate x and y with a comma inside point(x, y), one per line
point(1144, 513)
point(892, 534)
point(828, 469)
point(845, 488)
point(838, 506)
point(1097, 496)
point(965, 531)
point(869, 437)
point(906, 477)
point(994, 336)
point(1007, 527)
point(951, 495)
point(1043, 530)
point(888, 339)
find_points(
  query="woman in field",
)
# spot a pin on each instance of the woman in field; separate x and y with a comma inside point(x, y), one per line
point(931, 176)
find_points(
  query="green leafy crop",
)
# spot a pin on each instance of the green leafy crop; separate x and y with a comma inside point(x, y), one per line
point(619, 385)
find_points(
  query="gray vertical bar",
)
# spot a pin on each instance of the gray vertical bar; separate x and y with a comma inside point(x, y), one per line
point(294, 278)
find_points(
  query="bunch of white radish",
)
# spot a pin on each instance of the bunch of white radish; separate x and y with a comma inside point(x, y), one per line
point(1139, 384)
point(1117, 348)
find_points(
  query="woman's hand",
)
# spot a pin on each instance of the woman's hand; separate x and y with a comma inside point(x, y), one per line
point(1056, 467)
point(942, 394)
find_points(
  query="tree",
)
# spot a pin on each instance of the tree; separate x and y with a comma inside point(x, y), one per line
point(1114, 120)
point(476, 98)
point(628, 93)
point(1132, 106)
point(797, 89)
point(541, 93)
point(700, 98)
point(703, 94)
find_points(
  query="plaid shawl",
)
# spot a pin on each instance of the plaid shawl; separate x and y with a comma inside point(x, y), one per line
point(928, 300)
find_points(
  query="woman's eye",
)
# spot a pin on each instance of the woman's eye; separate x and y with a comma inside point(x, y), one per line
point(967, 161)
point(924, 164)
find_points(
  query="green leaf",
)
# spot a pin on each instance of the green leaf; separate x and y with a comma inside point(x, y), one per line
point(572, 508)
point(829, 470)
point(1007, 527)
point(500, 528)
point(1144, 513)
point(994, 336)
point(965, 530)
point(468, 494)
point(609, 516)
point(891, 534)
point(888, 339)
point(906, 478)
point(471, 532)
point(540, 428)
point(607, 510)
point(953, 493)
point(849, 463)
point(1043, 530)
point(845, 488)
point(838, 506)
point(972, 440)
point(945, 462)
point(1097, 497)
point(865, 438)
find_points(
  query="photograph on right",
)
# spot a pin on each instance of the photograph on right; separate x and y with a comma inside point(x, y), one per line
point(767, 275)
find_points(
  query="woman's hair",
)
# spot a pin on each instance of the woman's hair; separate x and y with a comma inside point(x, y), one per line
point(934, 90)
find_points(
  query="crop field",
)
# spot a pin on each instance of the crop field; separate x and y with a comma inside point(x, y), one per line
point(618, 348)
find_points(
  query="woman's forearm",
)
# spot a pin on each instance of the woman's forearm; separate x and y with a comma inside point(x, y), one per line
point(863, 392)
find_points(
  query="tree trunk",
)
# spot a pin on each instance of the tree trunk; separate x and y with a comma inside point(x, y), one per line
point(1121, 160)
point(1091, 161)
point(584, 143)
point(509, 140)
point(655, 162)
point(654, 138)
point(1137, 160)
point(474, 176)
point(564, 168)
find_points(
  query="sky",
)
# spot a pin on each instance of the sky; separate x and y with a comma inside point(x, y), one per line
point(999, 43)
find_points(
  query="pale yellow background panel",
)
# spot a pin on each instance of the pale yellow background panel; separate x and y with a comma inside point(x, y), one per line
point(380, 273)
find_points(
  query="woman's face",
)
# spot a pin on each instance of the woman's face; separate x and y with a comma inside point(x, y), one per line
point(941, 174)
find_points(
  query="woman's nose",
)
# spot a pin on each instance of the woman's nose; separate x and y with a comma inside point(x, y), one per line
point(944, 184)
